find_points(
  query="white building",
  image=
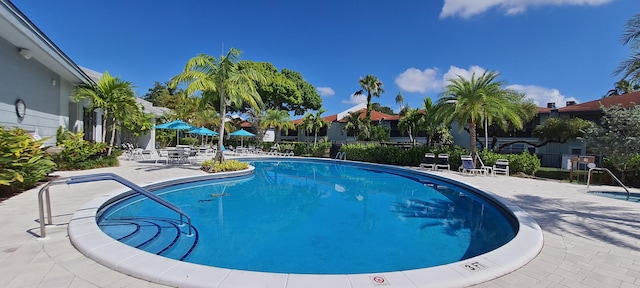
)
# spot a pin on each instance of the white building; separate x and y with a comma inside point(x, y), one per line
point(37, 80)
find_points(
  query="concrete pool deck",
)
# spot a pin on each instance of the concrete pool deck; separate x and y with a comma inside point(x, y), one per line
point(590, 241)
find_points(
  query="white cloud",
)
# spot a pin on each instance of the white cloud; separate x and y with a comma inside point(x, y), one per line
point(420, 81)
point(353, 99)
point(469, 8)
point(414, 80)
point(454, 72)
point(541, 95)
point(325, 91)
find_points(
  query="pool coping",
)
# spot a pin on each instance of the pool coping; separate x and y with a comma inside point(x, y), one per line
point(87, 237)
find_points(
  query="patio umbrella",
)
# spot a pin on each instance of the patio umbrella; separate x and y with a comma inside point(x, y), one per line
point(242, 133)
point(203, 131)
point(175, 125)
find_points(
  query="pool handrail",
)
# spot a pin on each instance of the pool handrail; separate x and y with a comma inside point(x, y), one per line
point(101, 177)
point(341, 156)
point(612, 176)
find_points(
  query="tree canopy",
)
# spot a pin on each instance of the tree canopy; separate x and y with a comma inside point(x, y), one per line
point(617, 137)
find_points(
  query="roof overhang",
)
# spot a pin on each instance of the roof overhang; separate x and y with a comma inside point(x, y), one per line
point(22, 33)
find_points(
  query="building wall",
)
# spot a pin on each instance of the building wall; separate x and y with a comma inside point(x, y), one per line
point(39, 87)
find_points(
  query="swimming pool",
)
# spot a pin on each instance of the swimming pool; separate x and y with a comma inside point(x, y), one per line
point(348, 209)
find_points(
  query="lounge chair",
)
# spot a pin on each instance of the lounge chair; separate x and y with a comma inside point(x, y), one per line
point(163, 154)
point(429, 161)
point(443, 162)
point(501, 166)
point(469, 167)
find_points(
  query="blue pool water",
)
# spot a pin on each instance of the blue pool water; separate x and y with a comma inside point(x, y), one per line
point(315, 217)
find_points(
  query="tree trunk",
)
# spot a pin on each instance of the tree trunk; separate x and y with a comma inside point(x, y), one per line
point(315, 139)
point(104, 125)
point(113, 137)
point(472, 135)
point(223, 110)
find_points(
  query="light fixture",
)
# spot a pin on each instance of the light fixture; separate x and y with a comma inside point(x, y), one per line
point(25, 53)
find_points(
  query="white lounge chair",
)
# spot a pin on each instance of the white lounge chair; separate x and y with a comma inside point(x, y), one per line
point(443, 162)
point(501, 166)
point(429, 161)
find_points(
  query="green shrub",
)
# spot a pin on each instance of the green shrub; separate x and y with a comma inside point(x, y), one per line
point(79, 154)
point(22, 162)
point(525, 162)
point(190, 141)
point(212, 166)
point(394, 155)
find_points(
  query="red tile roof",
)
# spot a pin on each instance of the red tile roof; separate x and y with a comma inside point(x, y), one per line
point(375, 116)
point(626, 100)
point(328, 119)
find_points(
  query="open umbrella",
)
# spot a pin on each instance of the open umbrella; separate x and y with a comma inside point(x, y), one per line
point(175, 125)
point(203, 131)
point(242, 133)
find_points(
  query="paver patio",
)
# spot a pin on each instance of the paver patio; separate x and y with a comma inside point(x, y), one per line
point(590, 241)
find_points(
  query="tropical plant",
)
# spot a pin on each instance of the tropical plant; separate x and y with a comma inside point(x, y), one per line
point(554, 130)
point(315, 123)
point(630, 68)
point(400, 100)
point(373, 88)
point(219, 80)
point(277, 119)
point(354, 124)
point(618, 137)
point(22, 162)
point(478, 101)
point(411, 122)
point(622, 87)
point(116, 99)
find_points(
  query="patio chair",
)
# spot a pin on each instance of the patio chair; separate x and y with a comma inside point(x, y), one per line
point(192, 155)
point(443, 162)
point(487, 169)
point(501, 166)
point(163, 154)
point(429, 161)
point(469, 167)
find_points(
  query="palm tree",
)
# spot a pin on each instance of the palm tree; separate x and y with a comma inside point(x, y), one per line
point(316, 123)
point(220, 80)
point(399, 100)
point(278, 119)
point(630, 68)
point(114, 96)
point(354, 123)
point(411, 122)
point(479, 101)
point(373, 87)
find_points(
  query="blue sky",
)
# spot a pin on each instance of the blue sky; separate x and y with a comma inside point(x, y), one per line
point(553, 50)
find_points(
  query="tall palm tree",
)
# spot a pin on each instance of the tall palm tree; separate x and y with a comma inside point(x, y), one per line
point(114, 96)
point(630, 68)
point(399, 100)
point(278, 119)
point(316, 123)
point(373, 88)
point(411, 122)
point(354, 123)
point(220, 80)
point(478, 101)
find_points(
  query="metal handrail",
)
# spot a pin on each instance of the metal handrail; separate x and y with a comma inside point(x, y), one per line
point(613, 176)
point(101, 177)
point(341, 156)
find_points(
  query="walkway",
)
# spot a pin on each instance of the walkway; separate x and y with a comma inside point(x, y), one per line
point(590, 241)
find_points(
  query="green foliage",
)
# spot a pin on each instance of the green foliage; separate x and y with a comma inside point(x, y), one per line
point(618, 137)
point(190, 141)
point(212, 166)
point(394, 155)
point(321, 149)
point(560, 130)
point(79, 154)
point(22, 162)
point(525, 162)
point(380, 133)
